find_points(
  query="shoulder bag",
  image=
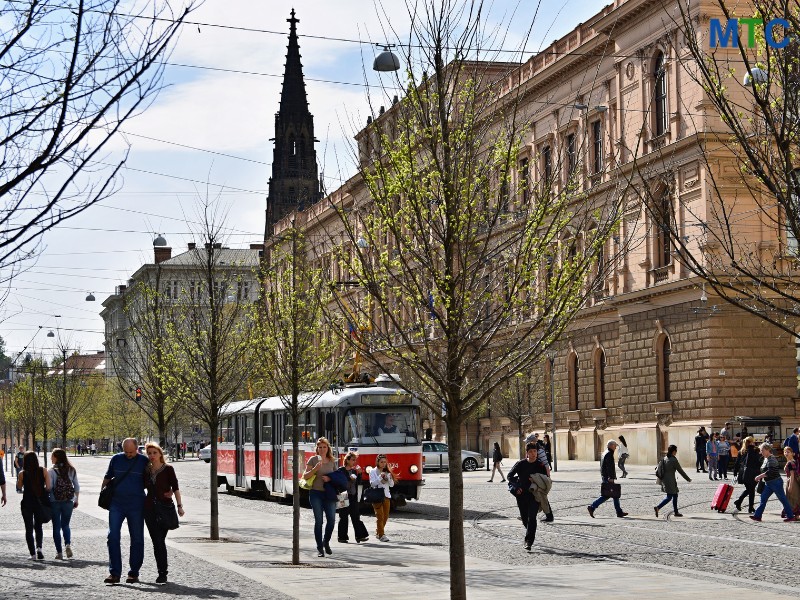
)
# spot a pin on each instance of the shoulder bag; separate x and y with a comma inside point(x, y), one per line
point(107, 493)
point(166, 515)
point(374, 495)
point(44, 509)
point(307, 482)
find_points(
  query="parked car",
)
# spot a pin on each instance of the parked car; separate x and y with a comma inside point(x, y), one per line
point(205, 454)
point(435, 454)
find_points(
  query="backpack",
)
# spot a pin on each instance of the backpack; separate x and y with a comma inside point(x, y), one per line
point(64, 490)
point(660, 472)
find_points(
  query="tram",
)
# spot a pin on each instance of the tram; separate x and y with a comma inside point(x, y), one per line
point(254, 449)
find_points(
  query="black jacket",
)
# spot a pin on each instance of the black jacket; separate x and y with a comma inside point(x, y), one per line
point(750, 463)
point(519, 477)
point(497, 456)
point(608, 469)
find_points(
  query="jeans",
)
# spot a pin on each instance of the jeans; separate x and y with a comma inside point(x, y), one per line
point(62, 514)
point(665, 501)
point(116, 515)
point(621, 464)
point(723, 465)
point(320, 505)
point(701, 459)
point(602, 499)
point(381, 515)
point(159, 537)
point(32, 523)
point(713, 469)
point(528, 510)
point(774, 486)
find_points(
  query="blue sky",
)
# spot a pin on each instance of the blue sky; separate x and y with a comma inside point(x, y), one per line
point(222, 101)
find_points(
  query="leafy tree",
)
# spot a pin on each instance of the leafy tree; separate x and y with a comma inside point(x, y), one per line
point(743, 240)
point(296, 358)
point(73, 74)
point(74, 393)
point(520, 399)
point(470, 272)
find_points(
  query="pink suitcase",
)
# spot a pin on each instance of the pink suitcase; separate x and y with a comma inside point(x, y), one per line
point(722, 497)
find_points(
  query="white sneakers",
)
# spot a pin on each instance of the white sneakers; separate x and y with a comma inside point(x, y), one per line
point(383, 538)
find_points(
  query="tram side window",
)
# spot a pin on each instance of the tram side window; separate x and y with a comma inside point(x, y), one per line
point(248, 430)
point(266, 428)
point(307, 428)
point(226, 432)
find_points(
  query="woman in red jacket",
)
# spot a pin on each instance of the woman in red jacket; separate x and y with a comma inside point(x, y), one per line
point(161, 483)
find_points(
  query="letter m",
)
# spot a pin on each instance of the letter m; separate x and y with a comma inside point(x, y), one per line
point(724, 38)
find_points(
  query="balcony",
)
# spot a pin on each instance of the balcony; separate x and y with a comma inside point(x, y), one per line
point(660, 275)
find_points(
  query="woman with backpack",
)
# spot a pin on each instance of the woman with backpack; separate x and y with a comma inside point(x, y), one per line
point(666, 471)
point(34, 481)
point(748, 466)
point(63, 499)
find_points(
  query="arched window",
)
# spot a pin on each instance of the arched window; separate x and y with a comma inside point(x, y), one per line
point(659, 96)
point(663, 350)
point(599, 378)
point(572, 373)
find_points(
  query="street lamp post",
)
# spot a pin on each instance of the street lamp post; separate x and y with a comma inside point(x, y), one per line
point(552, 359)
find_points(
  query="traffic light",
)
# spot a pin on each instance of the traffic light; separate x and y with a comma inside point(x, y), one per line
point(138, 394)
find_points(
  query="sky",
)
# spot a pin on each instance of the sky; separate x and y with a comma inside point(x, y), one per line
point(207, 135)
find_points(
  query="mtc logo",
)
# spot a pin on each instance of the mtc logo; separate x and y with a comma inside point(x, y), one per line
point(725, 34)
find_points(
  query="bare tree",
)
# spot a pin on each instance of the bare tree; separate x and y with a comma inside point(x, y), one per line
point(74, 393)
point(743, 240)
point(520, 400)
point(143, 361)
point(210, 335)
point(297, 358)
point(469, 269)
point(73, 74)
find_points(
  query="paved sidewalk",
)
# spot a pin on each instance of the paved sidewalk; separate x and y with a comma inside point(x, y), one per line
point(252, 563)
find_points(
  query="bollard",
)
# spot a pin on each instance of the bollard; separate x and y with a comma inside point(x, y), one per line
point(440, 463)
point(487, 461)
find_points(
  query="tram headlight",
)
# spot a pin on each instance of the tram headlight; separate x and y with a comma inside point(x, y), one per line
point(414, 469)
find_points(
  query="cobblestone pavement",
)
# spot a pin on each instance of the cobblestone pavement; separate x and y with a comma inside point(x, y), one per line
point(703, 545)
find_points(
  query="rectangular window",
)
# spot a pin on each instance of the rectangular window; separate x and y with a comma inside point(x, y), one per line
point(266, 428)
point(572, 156)
point(523, 180)
point(547, 165)
point(597, 147)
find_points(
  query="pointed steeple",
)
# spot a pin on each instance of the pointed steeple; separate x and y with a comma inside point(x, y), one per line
point(295, 182)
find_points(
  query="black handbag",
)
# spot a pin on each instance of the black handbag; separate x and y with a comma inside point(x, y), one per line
point(166, 515)
point(374, 495)
point(760, 486)
point(44, 510)
point(610, 490)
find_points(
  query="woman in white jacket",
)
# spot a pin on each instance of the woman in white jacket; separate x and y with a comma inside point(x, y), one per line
point(381, 477)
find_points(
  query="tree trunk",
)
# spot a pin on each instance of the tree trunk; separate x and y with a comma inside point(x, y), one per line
point(295, 494)
point(458, 582)
point(64, 431)
point(214, 534)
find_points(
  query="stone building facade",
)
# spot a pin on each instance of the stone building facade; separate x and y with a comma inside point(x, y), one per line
point(653, 355)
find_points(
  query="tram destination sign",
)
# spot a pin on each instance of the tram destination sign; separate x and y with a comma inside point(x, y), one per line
point(382, 399)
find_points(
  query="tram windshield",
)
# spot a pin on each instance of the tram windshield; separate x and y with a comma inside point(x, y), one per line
point(381, 426)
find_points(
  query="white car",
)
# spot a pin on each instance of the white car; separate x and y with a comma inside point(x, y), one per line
point(435, 454)
point(205, 454)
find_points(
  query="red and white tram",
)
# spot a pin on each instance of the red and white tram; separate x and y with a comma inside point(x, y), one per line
point(254, 450)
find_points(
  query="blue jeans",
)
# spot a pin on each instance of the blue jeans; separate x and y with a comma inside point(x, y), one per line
point(602, 499)
point(665, 501)
point(320, 504)
point(62, 513)
point(133, 514)
point(774, 486)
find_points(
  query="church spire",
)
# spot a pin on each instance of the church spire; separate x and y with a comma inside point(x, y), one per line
point(294, 184)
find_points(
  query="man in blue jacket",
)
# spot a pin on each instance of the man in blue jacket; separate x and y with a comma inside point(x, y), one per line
point(793, 441)
point(127, 471)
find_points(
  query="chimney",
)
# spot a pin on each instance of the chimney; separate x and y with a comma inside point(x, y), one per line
point(192, 245)
point(162, 253)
